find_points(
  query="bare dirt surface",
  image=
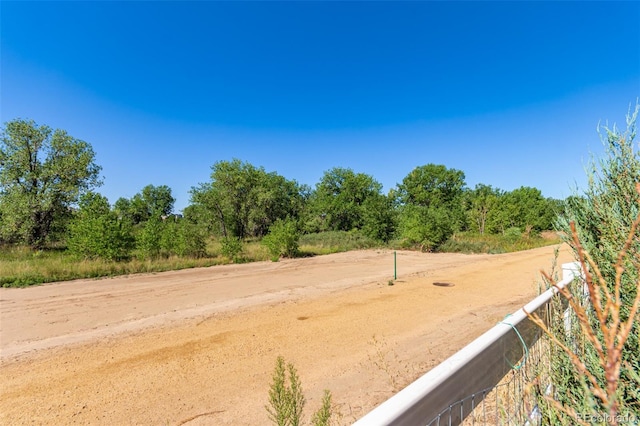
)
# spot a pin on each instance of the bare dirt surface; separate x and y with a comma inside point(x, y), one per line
point(198, 346)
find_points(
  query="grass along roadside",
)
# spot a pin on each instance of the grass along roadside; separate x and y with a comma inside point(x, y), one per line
point(498, 243)
point(21, 267)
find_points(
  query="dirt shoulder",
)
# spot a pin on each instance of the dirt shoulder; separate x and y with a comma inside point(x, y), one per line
point(198, 346)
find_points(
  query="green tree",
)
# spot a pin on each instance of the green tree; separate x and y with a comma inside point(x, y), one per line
point(431, 205)
point(525, 208)
point(157, 199)
point(483, 204)
point(379, 217)
point(344, 200)
point(432, 185)
point(277, 198)
point(97, 232)
point(42, 174)
point(243, 200)
point(151, 201)
point(425, 227)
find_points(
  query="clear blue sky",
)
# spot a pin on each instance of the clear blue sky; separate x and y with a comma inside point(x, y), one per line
point(510, 93)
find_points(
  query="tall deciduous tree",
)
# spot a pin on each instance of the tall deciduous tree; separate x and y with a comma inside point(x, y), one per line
point(344, 200)
point(244, 200)
point(42, 174)
point(431, 207)
point(432, 185)
point(151, 201)
point(483, 205)
point(527, 209)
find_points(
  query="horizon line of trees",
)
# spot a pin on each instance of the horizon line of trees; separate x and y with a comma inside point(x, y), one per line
point(48, 183)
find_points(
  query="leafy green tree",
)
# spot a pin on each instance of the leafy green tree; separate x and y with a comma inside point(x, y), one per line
point(122, 208)
point(232, 195)
point(277, 198)
point(97, 232)
point(344, 200)
point(431, 205)
point(432, 185)
point(425, 227)
point(151, 201)
point(157, 200)
point(525, 208)
point(483, 205)
point(42, 174)
point(379, 217)
point(243, 200)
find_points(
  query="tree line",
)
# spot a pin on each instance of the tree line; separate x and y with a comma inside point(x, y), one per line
point(48, 183)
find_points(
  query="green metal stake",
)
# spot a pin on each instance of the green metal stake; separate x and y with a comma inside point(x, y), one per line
point(395, 274)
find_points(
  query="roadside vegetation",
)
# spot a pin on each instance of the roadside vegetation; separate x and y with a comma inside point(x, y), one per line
point(287, 400)
point(55, 225)
point(595, 362)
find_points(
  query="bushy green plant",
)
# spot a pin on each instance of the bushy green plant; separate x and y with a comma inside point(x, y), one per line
point(287, 401)
point(424, 227)
point(322, 417)
point(513, 233)
point(283, 239)
point(182, 238)
point(231, 248)
point(148, 240)
point(596, 369)
point(96, 232)
point(472, 242)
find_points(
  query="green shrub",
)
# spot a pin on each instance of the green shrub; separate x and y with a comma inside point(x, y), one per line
point(181, 238)
point(322, 417)
point(454, 245)
point(286, 399)
point(598, 374)
point(96, 232)
point(514, 233)
point(283, 239)
point(148, 240)
point(231, 248)
point(424, 227)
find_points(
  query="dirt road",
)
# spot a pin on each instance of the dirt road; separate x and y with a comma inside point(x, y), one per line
point(199, 346)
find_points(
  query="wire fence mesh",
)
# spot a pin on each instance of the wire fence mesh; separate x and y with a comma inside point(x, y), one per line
point(513, 401)
point(495, 380)
point(510, 402)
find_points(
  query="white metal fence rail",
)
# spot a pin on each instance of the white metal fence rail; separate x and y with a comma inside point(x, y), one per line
point(448, 393)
